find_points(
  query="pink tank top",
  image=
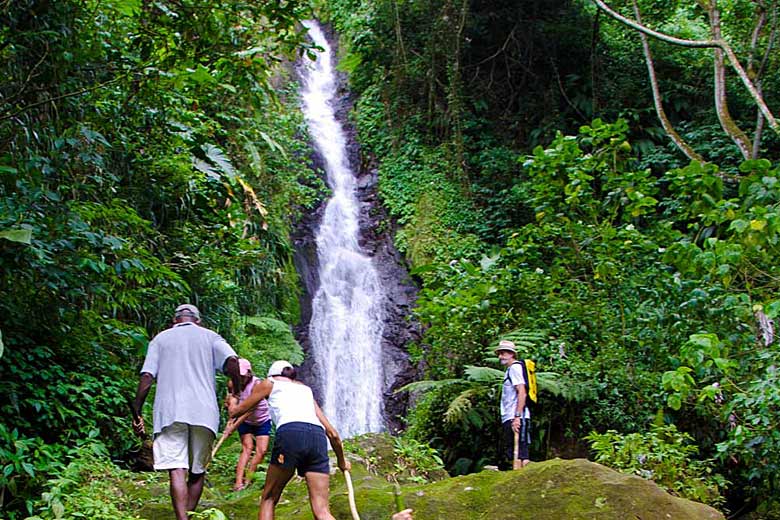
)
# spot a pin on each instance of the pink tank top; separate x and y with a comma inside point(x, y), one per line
point(260, 413)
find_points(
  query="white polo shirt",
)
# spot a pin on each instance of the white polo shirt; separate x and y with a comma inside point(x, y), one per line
point(512, 377)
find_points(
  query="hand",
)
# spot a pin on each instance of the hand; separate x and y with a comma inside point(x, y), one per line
point(516, 425)
point(406, 514)
point(345, 466)
point(232, 405)
point(138, 426)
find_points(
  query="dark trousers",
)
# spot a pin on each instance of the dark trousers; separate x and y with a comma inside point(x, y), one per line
point(524, 439)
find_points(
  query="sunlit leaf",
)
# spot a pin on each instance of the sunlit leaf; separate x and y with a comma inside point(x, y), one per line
point(23, 236)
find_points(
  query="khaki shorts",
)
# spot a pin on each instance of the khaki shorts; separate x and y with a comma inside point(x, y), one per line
point(181, 446)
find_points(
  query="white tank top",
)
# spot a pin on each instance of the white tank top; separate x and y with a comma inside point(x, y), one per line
point(291, 402)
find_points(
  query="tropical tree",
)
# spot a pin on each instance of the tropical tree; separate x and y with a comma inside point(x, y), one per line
point(726, 21)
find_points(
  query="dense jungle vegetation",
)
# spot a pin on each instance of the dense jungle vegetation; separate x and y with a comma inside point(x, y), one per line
point(151, 152)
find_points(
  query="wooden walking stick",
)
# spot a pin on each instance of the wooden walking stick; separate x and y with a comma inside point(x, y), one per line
point(230, 427)
point(351, 496)
point(517, 463)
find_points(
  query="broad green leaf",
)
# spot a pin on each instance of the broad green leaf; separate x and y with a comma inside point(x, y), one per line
point(488, 261)
point(218, 157)
point(739, 225)
point(58, 508)
point(350, 62)
point(250, 52)
point(127, 7)
point(203, 166)
point(757, 225)
point(426, 268)
point(674, 401)
point(772, 309)
point(23, 236)
point(424, 386)
point(201, 75)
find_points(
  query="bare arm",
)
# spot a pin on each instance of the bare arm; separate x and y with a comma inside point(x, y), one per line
point(144, 385)
point(259, 392)
point(335, 440)
point(522, 394)
point(521, 397)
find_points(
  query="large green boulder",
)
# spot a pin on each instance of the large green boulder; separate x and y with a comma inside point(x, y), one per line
point(555, 490)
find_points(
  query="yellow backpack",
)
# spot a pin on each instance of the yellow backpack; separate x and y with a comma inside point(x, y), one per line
point(529, 374)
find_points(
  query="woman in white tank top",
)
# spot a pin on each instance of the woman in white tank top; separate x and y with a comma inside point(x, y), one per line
point(302, 431)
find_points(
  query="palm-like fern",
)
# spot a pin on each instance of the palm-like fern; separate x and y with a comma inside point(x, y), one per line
point(481, 380)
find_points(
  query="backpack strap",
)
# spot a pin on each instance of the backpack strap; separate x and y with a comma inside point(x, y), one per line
point(525, 378)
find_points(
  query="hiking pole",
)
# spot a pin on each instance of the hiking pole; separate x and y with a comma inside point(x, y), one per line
point(517, 463)
point(351, 496)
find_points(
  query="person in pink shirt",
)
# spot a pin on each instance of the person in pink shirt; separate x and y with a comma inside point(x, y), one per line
point(254, 431)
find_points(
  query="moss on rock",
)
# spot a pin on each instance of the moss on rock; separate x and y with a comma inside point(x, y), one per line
point(554, 489)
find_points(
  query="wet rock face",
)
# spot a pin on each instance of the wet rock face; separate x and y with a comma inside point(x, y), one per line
point(376, 240)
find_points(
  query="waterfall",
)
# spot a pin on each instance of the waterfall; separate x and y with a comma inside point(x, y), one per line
point(347, 323)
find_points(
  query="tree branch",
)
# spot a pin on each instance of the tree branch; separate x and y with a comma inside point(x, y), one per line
point(63, 96)
point(719, 76)
point(683, 146)
point(717, 43)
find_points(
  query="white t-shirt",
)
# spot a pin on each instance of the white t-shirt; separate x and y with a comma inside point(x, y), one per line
point(184, 360)
point(291, 402)
point(512, 377)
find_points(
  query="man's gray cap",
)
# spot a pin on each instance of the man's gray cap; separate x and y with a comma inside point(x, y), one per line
point(187, 309)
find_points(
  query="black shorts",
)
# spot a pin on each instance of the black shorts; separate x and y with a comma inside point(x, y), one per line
point(255, 429)
point(524, 439)
point(302, 446)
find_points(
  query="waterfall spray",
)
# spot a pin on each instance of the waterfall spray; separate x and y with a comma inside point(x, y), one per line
point(347, 322)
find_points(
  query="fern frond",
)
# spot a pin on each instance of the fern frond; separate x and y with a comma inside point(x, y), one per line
point(525, 340)
point(460, 406)
point(483, 374)
point(562, 386)
point(425, 386)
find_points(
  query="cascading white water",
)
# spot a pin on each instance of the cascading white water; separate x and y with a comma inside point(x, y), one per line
point(346, 323)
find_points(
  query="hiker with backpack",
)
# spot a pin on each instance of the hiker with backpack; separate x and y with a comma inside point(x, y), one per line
point(515, 415)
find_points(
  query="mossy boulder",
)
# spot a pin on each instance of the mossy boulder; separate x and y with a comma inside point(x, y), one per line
point(554, 489)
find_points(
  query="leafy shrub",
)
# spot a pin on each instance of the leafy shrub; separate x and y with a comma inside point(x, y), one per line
point(90, 486)
point(416, 461)
point(663, 455)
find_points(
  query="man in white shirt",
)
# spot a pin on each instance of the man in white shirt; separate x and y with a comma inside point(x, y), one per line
point(515, 416)
point(184, 360)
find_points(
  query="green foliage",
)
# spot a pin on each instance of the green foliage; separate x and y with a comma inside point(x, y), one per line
point(648, 285)
point(263, 340)
point(89, 486)
point(211, 513)
point(148, 157)
point(415, 461)
point(25, 464)
point(664, 455)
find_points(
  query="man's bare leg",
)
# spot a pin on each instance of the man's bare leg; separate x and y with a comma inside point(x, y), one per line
point(179, 492)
